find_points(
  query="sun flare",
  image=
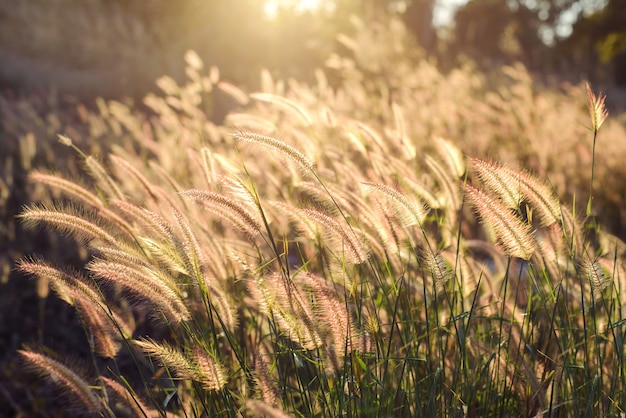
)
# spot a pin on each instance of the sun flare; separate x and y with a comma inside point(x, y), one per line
point(272, 7)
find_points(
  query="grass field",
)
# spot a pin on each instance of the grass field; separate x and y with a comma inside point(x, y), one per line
point(407, 243)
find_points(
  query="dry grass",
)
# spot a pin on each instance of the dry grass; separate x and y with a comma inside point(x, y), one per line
point(329, 263)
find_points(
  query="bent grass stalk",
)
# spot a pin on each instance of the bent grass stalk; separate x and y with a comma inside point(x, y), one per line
point(599, 114)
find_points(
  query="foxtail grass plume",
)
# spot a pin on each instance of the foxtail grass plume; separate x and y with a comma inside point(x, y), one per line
point(275, 144)
point(260, 409)
point(67, 220)
point(127, 401)
point(512, 186)
point(597, 108)
point(355, 251)
point(65, 140)
point(199, 366)
point(289, 106)
point(75, 387)
point(598, 276)
point(264, 383)
point(514, 236)
point(233, 91)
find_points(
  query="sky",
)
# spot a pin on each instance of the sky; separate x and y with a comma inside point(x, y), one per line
point(443, 13)
point(444, 9)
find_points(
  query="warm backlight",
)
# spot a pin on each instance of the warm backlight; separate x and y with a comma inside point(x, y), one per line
point(272, 7)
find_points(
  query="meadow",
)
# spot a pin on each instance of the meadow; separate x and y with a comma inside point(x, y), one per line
point(390, 240)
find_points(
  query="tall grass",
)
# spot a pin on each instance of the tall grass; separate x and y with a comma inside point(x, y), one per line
point(324, 254)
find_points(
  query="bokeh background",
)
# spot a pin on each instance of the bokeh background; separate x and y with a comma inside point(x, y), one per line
point(115, 48)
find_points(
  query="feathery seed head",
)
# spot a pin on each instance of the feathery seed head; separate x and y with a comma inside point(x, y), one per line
point(64, 140)
point(596, 273)
point(74, 385)
point(597, 109)
point(514, 236)
point(276, 145)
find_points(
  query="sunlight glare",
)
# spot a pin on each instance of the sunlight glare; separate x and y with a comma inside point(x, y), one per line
point(272, 7)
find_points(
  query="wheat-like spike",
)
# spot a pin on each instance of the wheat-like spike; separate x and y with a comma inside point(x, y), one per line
point(421, 191)
point(168, 85)
point(541, 196)
point(356, 142)
point(267, 81)
point(65, 140)
point(225, 309)
point(367, 216)
point(134, 173)
point(298, 222)
point(191, 251)
point(573, 232)
point(505, 187)
point(514, 185)
point(240, 190)
point(171, 357)
point(280, 301)
point(166, 175)
point(208, 165)
point(193, 60)
point(265, 385)
point(514, 236)
point(75, 387)
point(69, 187)
point(334, 312)
point(105, 334)
point(195, 261)
point(371, 135)
point(452, 156)
point(256, 408)
point(329, 118)
point(146, 284)
point(103, 179)
point(198, 366)
point(88, 301)
point(235, 92)
point(438, 267)
point(409, 212)
point(212, 374)
point(275, 144)
point(401, 134)
point(67, 220)
point(356, 252)
point(123, 256)
point(79, 193)
point(285, 104)
point(295, 309)
point(449, 184)
point(228, 208)
point(597, 109)
point(598, 276)
point(551, 245)
point(153, 223)
point(165, 253)
point(132, 404)
point(319, 197)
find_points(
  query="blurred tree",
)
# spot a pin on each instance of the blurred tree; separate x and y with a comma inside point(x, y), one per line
point(524, 30)
point(598, 43)
point(490, 31)
point(418, 18)
point(547, 15)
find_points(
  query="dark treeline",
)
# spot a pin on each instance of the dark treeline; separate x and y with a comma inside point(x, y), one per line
point(119, 47)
